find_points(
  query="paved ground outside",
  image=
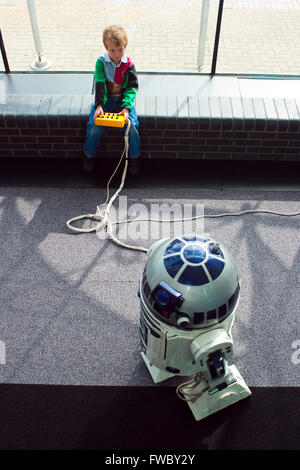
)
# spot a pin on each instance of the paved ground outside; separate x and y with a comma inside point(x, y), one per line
point(258, 36)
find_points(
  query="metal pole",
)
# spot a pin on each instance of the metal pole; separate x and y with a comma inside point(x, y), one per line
point(3, 53)
point(41, 62)
point(202, 34)
point(217, 38)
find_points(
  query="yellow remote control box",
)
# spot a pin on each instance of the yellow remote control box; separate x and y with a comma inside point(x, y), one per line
point(110, 119)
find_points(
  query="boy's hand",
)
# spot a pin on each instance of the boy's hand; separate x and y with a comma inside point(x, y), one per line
point(125, 113)
point(98, 112)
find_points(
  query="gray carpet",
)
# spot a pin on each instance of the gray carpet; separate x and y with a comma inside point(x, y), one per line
point(69, 306)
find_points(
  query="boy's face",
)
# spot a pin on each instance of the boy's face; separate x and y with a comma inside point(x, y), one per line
point(115, 52)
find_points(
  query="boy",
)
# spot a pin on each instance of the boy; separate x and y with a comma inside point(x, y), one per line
point(116, 86)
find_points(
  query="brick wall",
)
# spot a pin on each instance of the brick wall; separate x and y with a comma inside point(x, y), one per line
point(205, 128)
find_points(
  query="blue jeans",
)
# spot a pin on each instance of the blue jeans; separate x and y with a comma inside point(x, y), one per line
point(94, 133)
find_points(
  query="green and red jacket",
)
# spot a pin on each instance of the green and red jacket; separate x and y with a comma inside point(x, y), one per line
point(115, 80)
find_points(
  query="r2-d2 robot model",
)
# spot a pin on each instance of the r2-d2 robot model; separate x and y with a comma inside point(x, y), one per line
point(189, 293)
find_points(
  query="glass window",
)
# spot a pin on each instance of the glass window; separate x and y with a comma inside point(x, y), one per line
point(260, 37)
point(256, 36)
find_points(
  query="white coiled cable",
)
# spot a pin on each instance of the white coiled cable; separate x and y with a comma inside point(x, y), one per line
point(103, 221)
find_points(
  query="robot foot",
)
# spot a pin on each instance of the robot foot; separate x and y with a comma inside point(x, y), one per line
point(158, 375)
point(215, 399)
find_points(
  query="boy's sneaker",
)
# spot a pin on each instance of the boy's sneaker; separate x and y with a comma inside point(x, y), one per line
point(134, 166)
point(88, 164)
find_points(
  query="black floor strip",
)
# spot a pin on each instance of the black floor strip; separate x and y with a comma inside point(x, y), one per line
point(56, 417)
point(155, 173)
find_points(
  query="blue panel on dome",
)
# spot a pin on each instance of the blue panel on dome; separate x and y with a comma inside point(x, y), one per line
point(193, 276)
point(173, 264)
point(174, 247)
point(194, 253)
point(191, 238)
point(215, 267)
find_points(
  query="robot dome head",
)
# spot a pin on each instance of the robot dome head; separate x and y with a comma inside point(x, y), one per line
point(190, 282)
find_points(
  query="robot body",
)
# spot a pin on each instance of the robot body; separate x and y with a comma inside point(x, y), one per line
point(189, 293)
point(171, 349)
